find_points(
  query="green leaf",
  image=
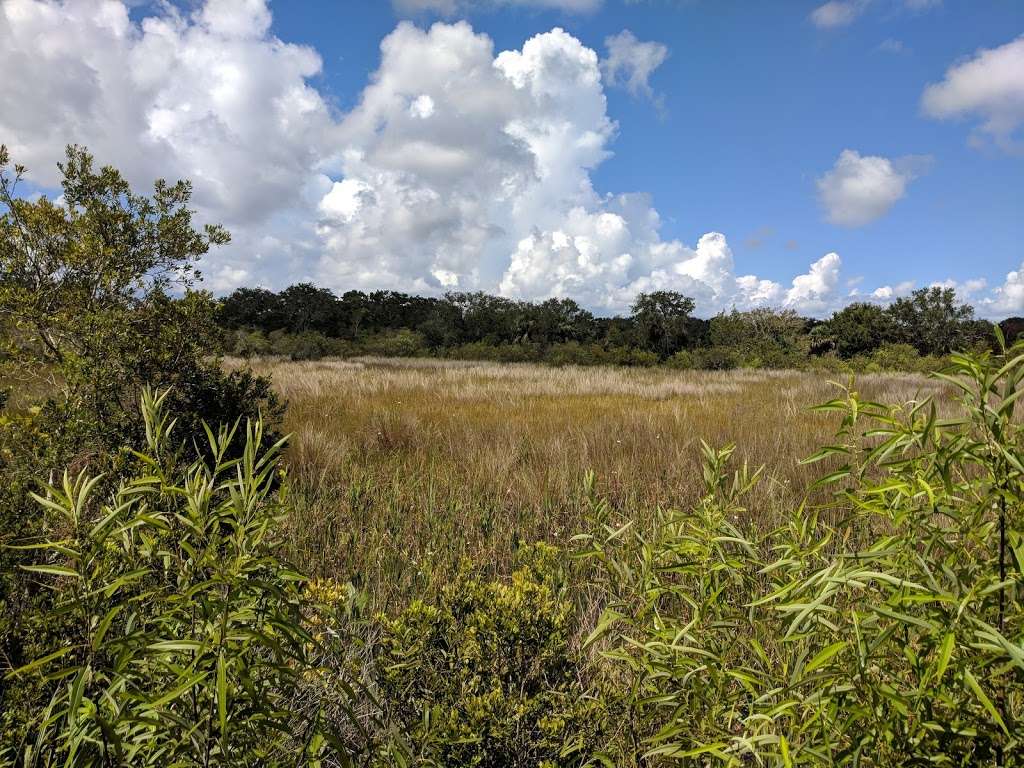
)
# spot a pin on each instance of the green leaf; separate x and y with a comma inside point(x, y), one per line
point(986, 702)
point(945, 653)
point(222, 694)
point(54, 570)
point(822, 657)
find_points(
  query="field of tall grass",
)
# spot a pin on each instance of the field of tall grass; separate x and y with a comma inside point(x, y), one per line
point(404, 468)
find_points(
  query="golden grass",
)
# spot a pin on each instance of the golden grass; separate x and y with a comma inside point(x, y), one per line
point(403, 468)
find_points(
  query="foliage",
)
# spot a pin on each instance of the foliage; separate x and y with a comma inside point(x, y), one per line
point(559, 331)
point(857, 329)
point(186, 638)
point(487, 676)
point(89, 319)
point(661, 320)
point(933, 321)
point(884, 629)
point(85, 297)
point(760, 337)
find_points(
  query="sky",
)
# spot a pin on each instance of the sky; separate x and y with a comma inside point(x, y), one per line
point(789, 154)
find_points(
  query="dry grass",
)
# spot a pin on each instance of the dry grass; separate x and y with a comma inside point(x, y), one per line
point(403, 468)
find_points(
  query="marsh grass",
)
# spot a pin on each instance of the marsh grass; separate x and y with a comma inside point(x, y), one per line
point(404, 468)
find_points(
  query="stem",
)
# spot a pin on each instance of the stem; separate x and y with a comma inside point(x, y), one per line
point(1002, 609)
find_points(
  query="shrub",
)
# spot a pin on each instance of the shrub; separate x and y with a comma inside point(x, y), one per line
point(717, 358)
point(401, 343)
point(186, 640)
point(885, 630)
point(681, 361)
point(486, 676)
point(243, 343)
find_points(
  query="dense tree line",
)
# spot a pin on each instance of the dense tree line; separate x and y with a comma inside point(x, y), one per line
point(306, 321)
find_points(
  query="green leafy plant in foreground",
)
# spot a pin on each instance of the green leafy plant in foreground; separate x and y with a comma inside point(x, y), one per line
point(487, 675)
point(885, 629)
point(188, 644)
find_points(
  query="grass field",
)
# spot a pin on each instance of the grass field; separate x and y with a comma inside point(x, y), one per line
point(403, 468)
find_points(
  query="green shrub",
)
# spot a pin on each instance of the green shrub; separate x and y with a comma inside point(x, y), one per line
point(401, 343)
point(486, 676)
point(885, 629)
point(498, 353)
point(717, 358)
point(244, 343)
point(186, 640)
point(682, 360)
point(895, 357)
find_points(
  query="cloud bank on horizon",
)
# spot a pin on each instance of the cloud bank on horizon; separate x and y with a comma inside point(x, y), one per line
point(460, 168)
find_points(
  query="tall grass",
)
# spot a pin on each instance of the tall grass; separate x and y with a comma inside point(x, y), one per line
point(403, 468)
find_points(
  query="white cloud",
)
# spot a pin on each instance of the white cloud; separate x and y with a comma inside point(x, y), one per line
point(631, 63)
point(887, 293)
point(989, 85)
point(450, 7)
point(1008, 298)
point(859, 189)
point(892, 45)
point(212, 97)
point(494, 190)
point(837, 13)
point(459, 168)
point(422, 107)
point(815, 292)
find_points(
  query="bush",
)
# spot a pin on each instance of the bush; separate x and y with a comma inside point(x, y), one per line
point(486, 676)
point(717, 358)
point(886, 630)
point(186, 642)
point(681, 361)
point(401, 343)
point(242, 343)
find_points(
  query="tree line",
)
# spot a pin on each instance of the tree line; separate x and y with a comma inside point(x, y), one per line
point(306, 321)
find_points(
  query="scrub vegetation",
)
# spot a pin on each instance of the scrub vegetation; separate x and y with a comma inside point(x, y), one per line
point(421, 561)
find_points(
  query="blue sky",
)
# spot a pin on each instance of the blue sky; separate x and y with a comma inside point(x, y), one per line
point(739, 129)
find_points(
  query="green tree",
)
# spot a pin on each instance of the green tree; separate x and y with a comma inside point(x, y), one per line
point(305, 307)
point(761, 336)
point(662, 321)
point(251, 308)
point(933, 321)
point(558, 320)
point(86, 290)
point(859, 329)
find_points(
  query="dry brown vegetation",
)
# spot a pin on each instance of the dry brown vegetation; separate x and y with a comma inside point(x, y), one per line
point(403, 468)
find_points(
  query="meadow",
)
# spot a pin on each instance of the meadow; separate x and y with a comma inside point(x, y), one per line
point(489, 564)
point(404, 468)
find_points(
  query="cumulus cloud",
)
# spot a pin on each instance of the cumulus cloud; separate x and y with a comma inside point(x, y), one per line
point(990, 86)
point(1007, 298)
point(210, 96)
point(631, 63)
point(815, 292)
point(860, 189)
point(887, 293)
point(450, 7)
point(494, 190)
